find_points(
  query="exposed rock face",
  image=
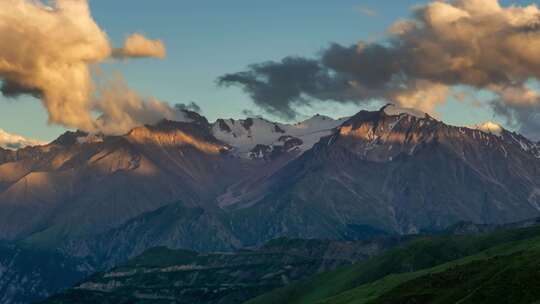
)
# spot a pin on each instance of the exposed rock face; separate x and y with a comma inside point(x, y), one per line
point(284, 145)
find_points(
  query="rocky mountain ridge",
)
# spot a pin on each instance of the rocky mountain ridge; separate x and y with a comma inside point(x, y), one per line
point(237, 164)
point(224, 186)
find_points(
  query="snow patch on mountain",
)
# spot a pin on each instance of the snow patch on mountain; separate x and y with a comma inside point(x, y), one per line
point(244, 135)
point(14, 141)
point(312, 130)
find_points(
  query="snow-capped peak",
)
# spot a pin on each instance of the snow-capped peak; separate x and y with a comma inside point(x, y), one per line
point(14, 141)
point(490, 127)
point(393, 110)
point(244, 135)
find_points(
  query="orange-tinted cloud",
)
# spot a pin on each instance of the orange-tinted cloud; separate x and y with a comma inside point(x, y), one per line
point(48, 51)
point(137, 46)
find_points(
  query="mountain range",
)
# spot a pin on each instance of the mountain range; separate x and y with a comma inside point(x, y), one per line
point(232, 184)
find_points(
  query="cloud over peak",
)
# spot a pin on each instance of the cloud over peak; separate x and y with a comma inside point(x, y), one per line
point(473, 43)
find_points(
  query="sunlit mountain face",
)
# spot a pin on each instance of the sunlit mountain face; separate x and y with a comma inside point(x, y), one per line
point(391, 171)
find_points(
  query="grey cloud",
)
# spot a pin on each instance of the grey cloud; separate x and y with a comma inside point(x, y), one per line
point(474, 43)
point(14, 89)
point(280, 87)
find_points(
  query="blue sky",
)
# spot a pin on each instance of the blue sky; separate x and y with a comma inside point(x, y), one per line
point(206, 39)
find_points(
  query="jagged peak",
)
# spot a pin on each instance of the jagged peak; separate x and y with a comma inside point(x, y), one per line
point(246, 134)
point(319, 121)
point(194, 117)
point(247, 123)
point(315, 118)
point(377, 130)
point(390, 113)
point(241, 136)
point(71, 138)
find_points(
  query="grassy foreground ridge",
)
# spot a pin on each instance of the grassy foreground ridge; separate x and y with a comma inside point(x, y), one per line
point(501, 267)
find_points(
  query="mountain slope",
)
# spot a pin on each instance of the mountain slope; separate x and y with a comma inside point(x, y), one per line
point(399, 174)
point(383, 172)
point(506, 277)
point(386, 172)
point(409, 269)
point(174, 226)
point(79, 184)
point(231, 184)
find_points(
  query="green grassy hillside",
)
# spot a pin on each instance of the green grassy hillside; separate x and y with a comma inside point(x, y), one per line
point(475, 269)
